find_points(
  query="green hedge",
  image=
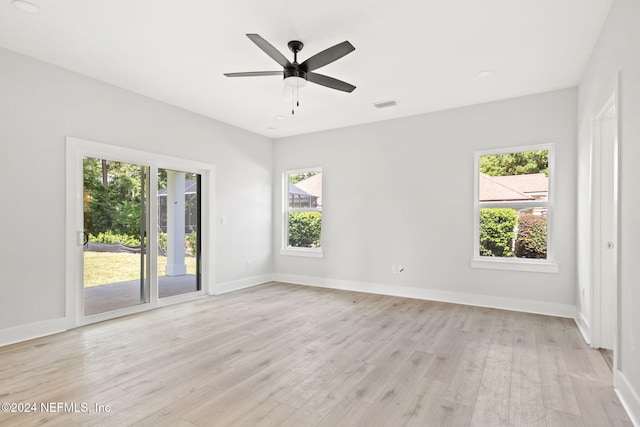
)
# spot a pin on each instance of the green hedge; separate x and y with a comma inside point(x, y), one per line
point(497, 231)
point(190, 241)
point(111, 239)
point(304, 229)
point(532, 237)
point(162, 241)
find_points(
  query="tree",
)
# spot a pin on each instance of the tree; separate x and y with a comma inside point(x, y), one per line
point(523, 163)
point(296, 178)
point(497, 231)
point(115, 206)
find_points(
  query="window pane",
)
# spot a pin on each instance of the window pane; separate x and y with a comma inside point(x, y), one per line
point(178, 242)
point(304, 229)
point(509, 233)
point(305, 190)
point(531, 235)
point(514, 177)
point(497, 231)
point(116, 217)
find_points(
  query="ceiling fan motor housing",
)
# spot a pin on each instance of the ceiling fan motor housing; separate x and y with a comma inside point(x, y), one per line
point(295, 46)
point(294, 72)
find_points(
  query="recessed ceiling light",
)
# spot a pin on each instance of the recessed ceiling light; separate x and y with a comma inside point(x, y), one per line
point(280, 117)
point(485, 74)
point(25, 6)
point(271, 128)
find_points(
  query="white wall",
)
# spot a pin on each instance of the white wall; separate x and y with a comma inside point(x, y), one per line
point(40, 105)
point(401, 192)
point(617, 50)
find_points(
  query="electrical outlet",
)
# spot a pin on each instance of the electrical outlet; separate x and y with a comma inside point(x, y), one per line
point(249, 264)
point(394, 269)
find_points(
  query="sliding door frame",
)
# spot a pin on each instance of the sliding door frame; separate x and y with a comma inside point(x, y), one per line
point(76, 150)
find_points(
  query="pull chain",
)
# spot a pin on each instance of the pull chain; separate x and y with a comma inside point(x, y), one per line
point(295, 94)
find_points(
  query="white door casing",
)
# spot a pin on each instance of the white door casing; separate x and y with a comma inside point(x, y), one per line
point(605, 225)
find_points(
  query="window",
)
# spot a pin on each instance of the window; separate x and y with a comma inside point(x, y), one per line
point(302, 212)
point(513, 209)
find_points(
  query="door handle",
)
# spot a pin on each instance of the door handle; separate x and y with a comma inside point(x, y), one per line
point(609, 245)
point(86, 238)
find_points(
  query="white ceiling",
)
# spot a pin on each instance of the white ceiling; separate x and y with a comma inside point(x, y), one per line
point(423, 53)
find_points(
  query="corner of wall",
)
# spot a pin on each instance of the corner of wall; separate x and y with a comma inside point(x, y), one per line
point(628, 396)
point(583, 326)
point(236, 285)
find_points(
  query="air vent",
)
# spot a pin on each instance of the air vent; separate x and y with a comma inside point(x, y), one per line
point(385, 104)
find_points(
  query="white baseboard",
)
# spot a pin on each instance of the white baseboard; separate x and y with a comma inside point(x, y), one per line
point(514, 304)
point(583, 326)
point(36, 330)
point(31, 331)
point(234, 285)
point(628, 396)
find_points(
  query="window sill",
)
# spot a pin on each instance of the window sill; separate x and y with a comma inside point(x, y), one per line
point(515, 265)
point(306, 252)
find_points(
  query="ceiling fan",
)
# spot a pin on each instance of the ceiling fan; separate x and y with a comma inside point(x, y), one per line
point(296, 75)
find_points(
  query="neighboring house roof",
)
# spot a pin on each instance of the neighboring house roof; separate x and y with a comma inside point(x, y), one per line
point(513, 187)
point(531, 183)
point(313, 185)
point(190, 187)
point(294, 189)
point(490, 190)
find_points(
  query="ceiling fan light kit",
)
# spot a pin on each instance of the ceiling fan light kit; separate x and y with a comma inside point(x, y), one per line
point(297, 75)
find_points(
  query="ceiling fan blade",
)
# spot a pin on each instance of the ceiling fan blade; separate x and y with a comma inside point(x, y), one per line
point(327, 56)
point(254, 74)
point(330, 82)
point(269, 50)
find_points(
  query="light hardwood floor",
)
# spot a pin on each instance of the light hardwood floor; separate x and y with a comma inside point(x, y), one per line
point(281, 354)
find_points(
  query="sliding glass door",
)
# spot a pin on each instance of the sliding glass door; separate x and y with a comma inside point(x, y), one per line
point(117, 270)
point(178, 233)
point(116, 218)
point(138, 230)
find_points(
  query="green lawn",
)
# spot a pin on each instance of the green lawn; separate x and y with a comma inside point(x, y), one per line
point(101, 268)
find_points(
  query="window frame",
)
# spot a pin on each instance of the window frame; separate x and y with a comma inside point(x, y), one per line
point(285, 249)
point(547, 265)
